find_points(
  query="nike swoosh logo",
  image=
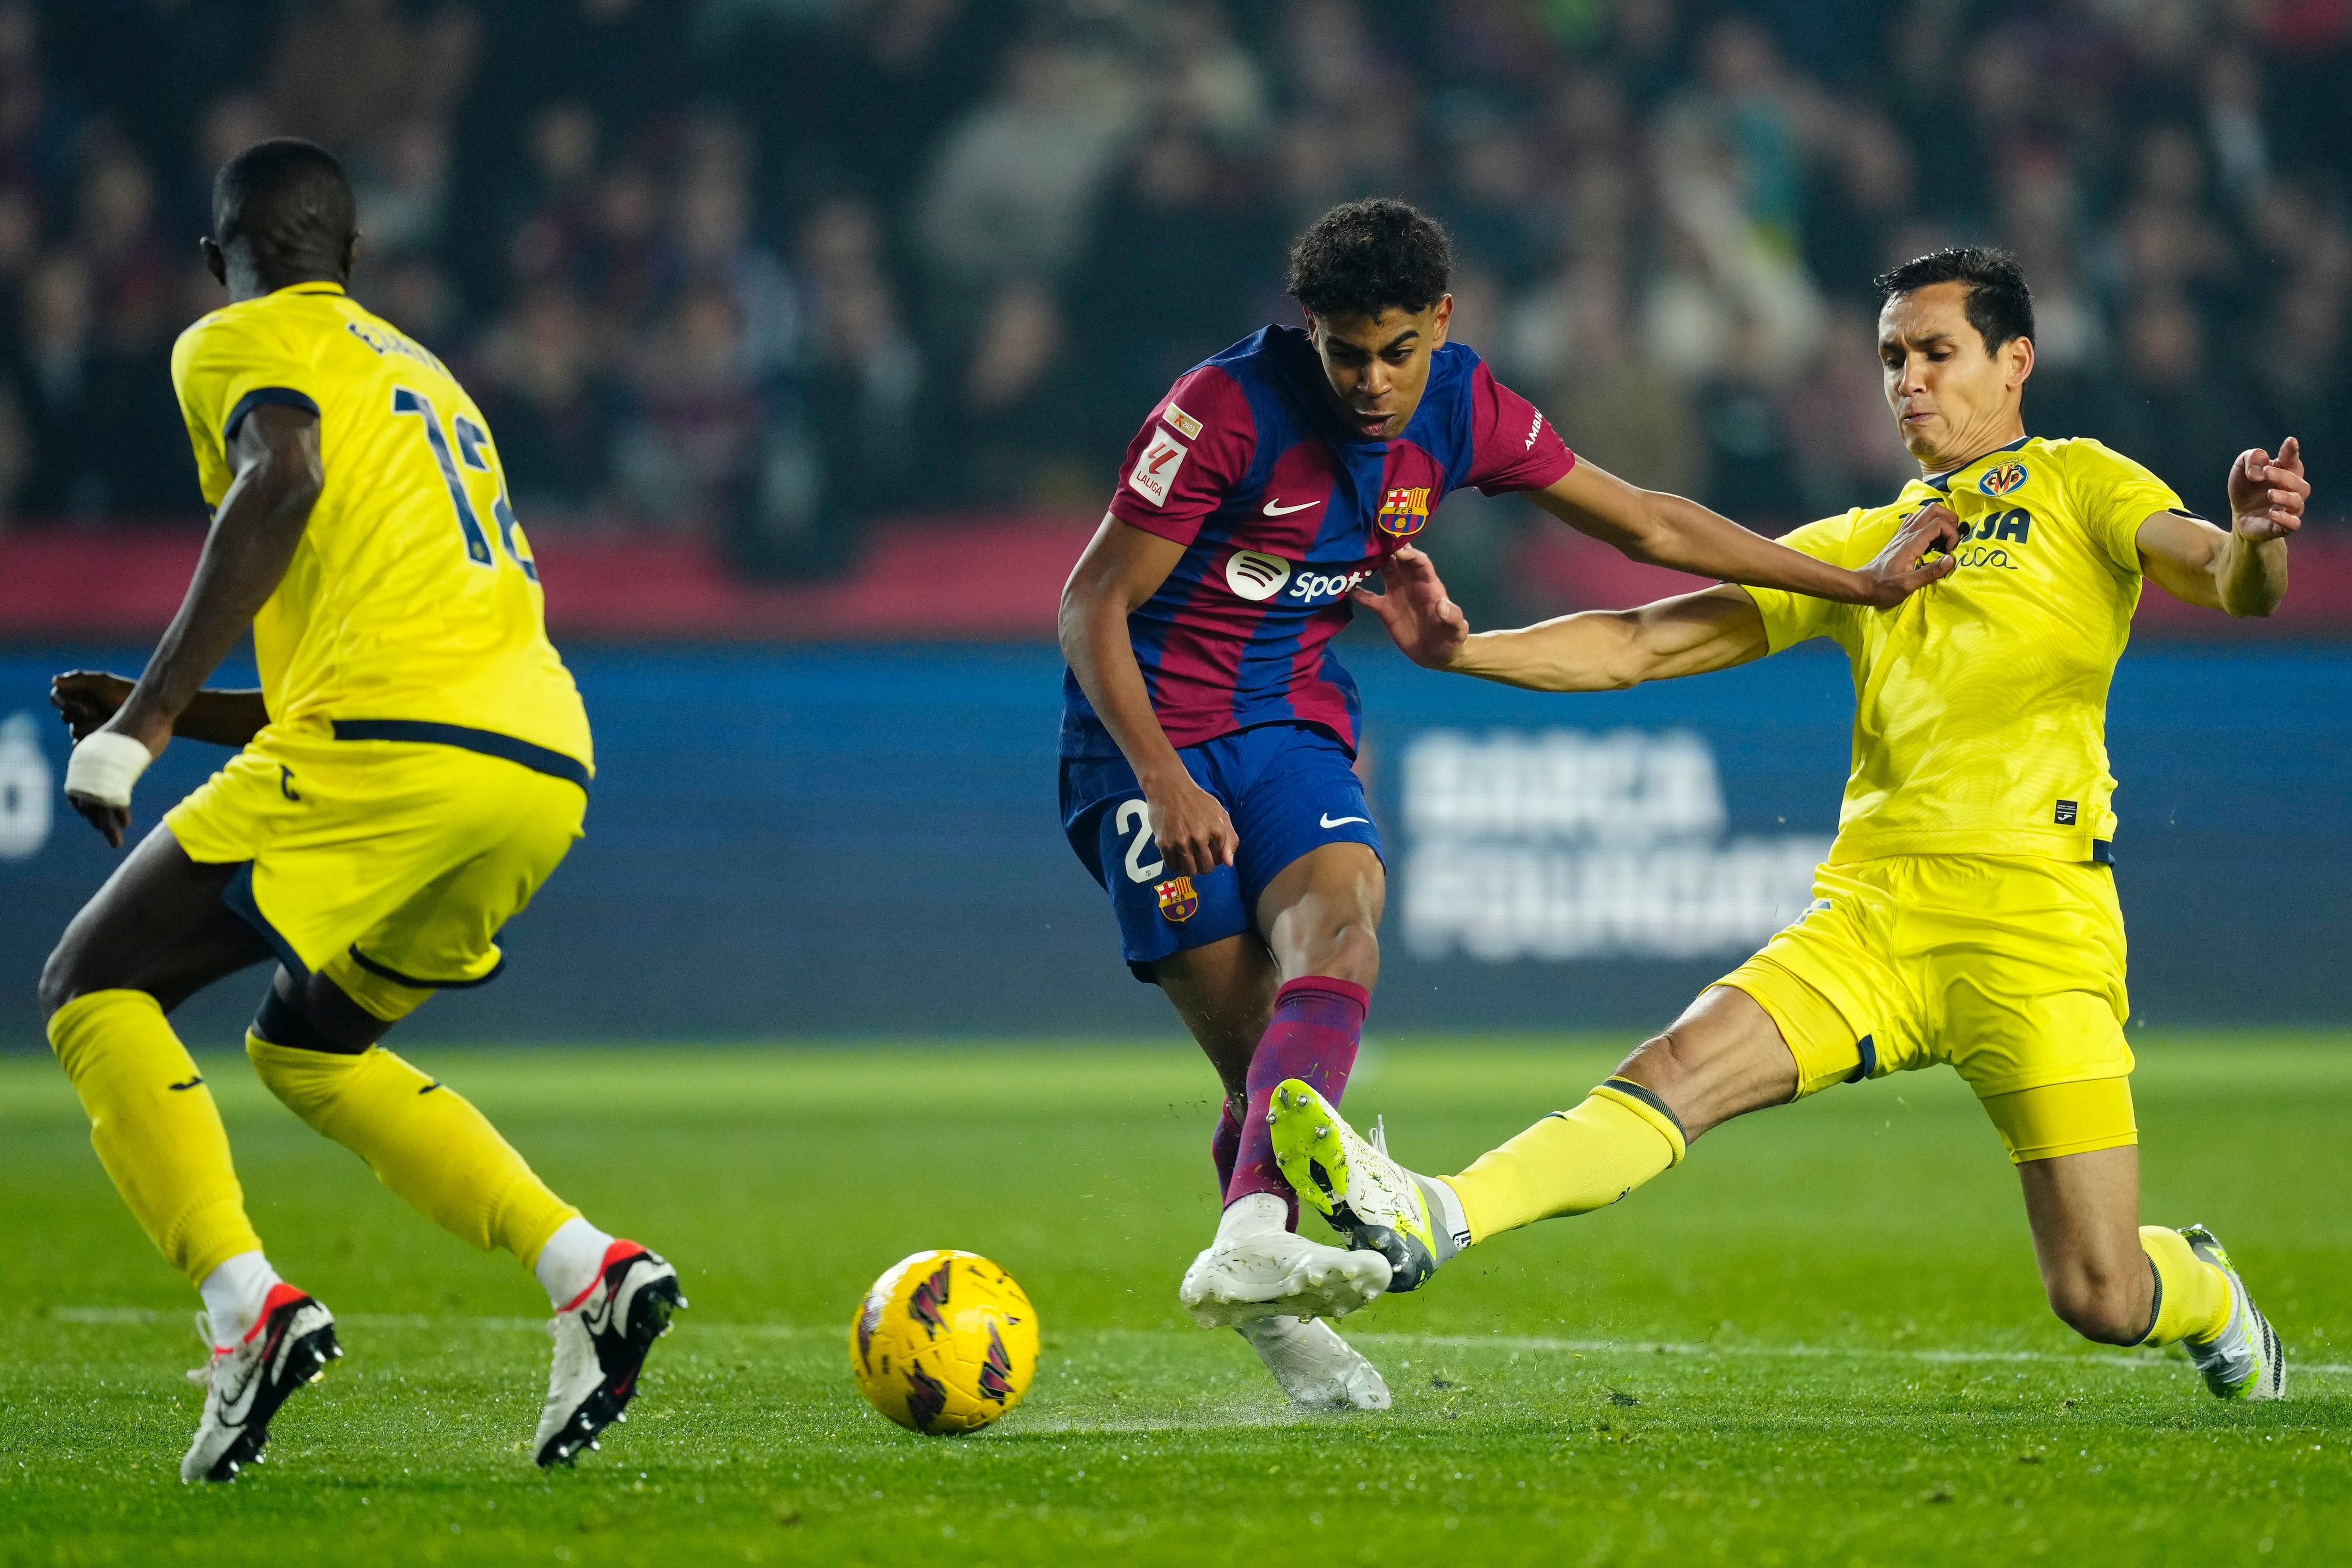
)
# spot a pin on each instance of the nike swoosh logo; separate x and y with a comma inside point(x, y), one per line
point(1275, 508)
point(1330, 821)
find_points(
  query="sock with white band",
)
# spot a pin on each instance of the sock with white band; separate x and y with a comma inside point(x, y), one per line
point(233, 1295)
point(1252, 1215)
point(567, 1264)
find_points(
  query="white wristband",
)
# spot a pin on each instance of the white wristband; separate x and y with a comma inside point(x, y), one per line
point(105, 766)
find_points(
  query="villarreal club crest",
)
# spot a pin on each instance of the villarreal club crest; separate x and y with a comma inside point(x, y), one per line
point(944, 1343)
point(2001, 479)
point(1404, 509)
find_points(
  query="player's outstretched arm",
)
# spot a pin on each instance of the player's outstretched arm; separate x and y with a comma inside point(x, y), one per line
point(254, 532)
point(1669, 531)
point(89, 698)
point(2243, 572)
point(1595, 650)
point(1122, 567)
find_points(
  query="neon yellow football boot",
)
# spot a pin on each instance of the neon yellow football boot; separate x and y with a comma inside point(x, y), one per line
point(2245, 1360)
point(1376, 1203)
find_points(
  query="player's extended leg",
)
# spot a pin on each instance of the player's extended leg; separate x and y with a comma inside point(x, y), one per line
point(1225, 992)
point(1724, 1057)
point(153, 935)
point(1320, 916)
point(2112, 1279)
point(315, 1044)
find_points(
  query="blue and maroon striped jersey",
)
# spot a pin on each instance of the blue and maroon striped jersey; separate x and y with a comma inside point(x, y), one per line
point(1281, 511)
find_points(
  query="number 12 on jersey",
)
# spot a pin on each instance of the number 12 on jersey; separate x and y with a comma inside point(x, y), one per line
point(472, 442)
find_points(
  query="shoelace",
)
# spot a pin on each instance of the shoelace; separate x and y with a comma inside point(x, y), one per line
point(201, 1376)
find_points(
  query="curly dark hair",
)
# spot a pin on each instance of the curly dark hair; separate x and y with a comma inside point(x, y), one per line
point(2000, 305)
point(1363, 258)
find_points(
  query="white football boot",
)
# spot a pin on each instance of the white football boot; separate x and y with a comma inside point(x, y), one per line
point(602, 1336)
point(1271, 1273)
point(2245, 1360)
point(289, 1344)
point(1316, 1367)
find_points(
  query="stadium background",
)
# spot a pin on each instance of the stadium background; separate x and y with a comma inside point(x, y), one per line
point(810, 333)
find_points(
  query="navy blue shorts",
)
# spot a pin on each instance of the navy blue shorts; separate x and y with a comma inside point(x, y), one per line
point(1289, 789)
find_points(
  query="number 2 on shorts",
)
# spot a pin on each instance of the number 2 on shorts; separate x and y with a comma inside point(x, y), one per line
point(1135, 817)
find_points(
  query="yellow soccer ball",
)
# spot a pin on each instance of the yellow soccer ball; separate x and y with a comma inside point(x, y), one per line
point(944, 1343)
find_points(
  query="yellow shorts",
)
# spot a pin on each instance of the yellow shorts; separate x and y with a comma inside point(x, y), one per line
point(387, 866)
point(2009, 969)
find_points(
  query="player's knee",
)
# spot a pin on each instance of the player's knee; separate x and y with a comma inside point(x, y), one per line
point(2102, 1309)
point(63, 978)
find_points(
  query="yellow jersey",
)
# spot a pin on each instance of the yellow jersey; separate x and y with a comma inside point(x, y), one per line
point(1981, 702)
point(412, 596)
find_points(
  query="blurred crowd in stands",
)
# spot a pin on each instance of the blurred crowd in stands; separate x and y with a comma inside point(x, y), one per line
point(770, 268)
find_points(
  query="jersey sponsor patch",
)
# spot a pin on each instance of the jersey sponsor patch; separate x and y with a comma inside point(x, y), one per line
point(2001, 479)
point(1403, 510)
point(1156, 470)
point(1257, 576)
point(1182, 421)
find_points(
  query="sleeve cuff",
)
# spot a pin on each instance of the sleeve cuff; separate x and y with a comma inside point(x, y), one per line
point(278, 397)
point(1175, 529)
point(1535, 479)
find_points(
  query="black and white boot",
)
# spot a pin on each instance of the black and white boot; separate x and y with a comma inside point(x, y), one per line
point(289, 1344)
point(601, 1340)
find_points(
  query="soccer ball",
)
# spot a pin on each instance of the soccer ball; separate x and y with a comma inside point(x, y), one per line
point(944, 1343)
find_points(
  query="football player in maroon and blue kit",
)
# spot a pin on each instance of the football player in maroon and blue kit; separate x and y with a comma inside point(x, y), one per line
point(1209, 733)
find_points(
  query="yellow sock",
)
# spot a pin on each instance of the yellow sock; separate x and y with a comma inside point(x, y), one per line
point(424, 1141)
point(1571, 1162)
point(2192, 1296)
point(155, 1127)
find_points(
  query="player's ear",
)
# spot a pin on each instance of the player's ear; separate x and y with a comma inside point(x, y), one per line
point(2019, 352)
point(350, 253)
point(1439, 320)
point(214, 262)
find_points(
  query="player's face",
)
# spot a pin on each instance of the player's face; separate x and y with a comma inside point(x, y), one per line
point(1952, 400)
point(1379, 365)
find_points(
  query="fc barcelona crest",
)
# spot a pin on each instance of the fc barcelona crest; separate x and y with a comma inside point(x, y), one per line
point(1404, 509)
point(1177, 900)
point(2001, 479)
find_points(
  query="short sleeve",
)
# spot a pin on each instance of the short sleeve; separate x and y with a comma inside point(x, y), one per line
point(1188, 456)
point(1512, 446)
point(223, 368)
point(2113, 495)
point(1791, 619)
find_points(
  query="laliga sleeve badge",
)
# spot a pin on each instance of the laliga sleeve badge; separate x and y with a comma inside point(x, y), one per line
point(1404, 509)
point(1178, 902)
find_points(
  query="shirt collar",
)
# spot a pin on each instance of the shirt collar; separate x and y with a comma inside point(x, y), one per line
point(1943, 482)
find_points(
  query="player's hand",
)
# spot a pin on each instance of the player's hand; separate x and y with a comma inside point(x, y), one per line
point(87, 698)
point(1195, 834)
point(2266, 493)
point(1899, 572)
point(1427, 624)
point(104, 766)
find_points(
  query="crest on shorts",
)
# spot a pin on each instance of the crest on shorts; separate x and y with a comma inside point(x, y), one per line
point(2001, 479)
point(1404, 509)
point(1178, 902)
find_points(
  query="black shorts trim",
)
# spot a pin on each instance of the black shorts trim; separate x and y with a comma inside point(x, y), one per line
point(266, 396)
point(238, 896)
point(387, 972)
point(489, 742)
point(1866, 1048)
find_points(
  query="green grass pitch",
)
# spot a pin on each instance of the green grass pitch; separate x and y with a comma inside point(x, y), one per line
point(1819, 1341)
